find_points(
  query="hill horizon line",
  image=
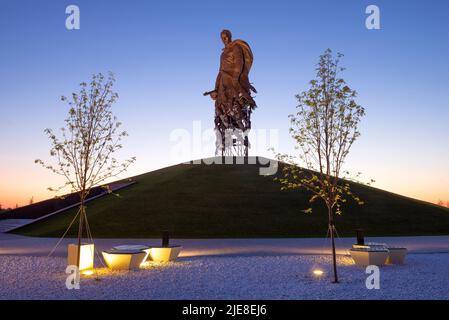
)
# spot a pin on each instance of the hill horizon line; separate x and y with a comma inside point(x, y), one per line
point(208, 159)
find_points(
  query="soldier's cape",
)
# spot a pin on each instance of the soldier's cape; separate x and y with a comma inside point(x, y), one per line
point(248, 55)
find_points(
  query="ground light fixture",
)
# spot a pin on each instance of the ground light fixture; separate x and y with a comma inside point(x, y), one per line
point(87, 272)
point(318, 272)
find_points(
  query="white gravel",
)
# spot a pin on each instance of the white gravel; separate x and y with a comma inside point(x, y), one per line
point(425, 276)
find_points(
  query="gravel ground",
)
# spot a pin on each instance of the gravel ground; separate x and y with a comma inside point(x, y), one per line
point(425, 276)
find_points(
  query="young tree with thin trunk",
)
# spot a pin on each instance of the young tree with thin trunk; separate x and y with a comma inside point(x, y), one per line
point(85, 151)
point(324, 128)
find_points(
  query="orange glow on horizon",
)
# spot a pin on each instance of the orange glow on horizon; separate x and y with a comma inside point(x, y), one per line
point(19, 186)
point(9, 198)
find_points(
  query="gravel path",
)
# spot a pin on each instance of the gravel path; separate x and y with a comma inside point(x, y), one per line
point(11, 244)
point(425, 276)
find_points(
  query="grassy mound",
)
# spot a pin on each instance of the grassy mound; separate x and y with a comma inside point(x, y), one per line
point(234, 201)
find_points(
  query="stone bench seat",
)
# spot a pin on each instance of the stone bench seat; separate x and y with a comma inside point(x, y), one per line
point(124, 259)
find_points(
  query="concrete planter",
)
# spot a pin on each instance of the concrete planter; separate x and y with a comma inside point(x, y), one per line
point(164, 254)
point(396, 255)
point(363, 257)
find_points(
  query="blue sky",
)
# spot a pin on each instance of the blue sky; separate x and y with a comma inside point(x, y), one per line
point(165, 54)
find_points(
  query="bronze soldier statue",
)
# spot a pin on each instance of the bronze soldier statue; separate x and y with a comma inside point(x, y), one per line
point(232, 94)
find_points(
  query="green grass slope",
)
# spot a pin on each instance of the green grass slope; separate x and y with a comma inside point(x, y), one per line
point(227, 201)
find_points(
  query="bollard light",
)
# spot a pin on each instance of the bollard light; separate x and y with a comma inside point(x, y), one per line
point(86, 256)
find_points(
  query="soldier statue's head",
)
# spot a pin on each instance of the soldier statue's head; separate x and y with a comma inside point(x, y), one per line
point(226, 37)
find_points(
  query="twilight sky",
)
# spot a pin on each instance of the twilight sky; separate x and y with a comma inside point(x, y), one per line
point(165, 54)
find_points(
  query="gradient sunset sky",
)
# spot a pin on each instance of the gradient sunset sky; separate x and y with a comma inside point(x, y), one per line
point(165, 54)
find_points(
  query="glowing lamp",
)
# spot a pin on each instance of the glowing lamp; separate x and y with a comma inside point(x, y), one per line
point(87, 272)
point(318, 272)
point(86, 256)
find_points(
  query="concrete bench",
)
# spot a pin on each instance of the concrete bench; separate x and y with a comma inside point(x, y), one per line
point(396, 255)
point(125, 257)
point(369, 256)
point(164, 254)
